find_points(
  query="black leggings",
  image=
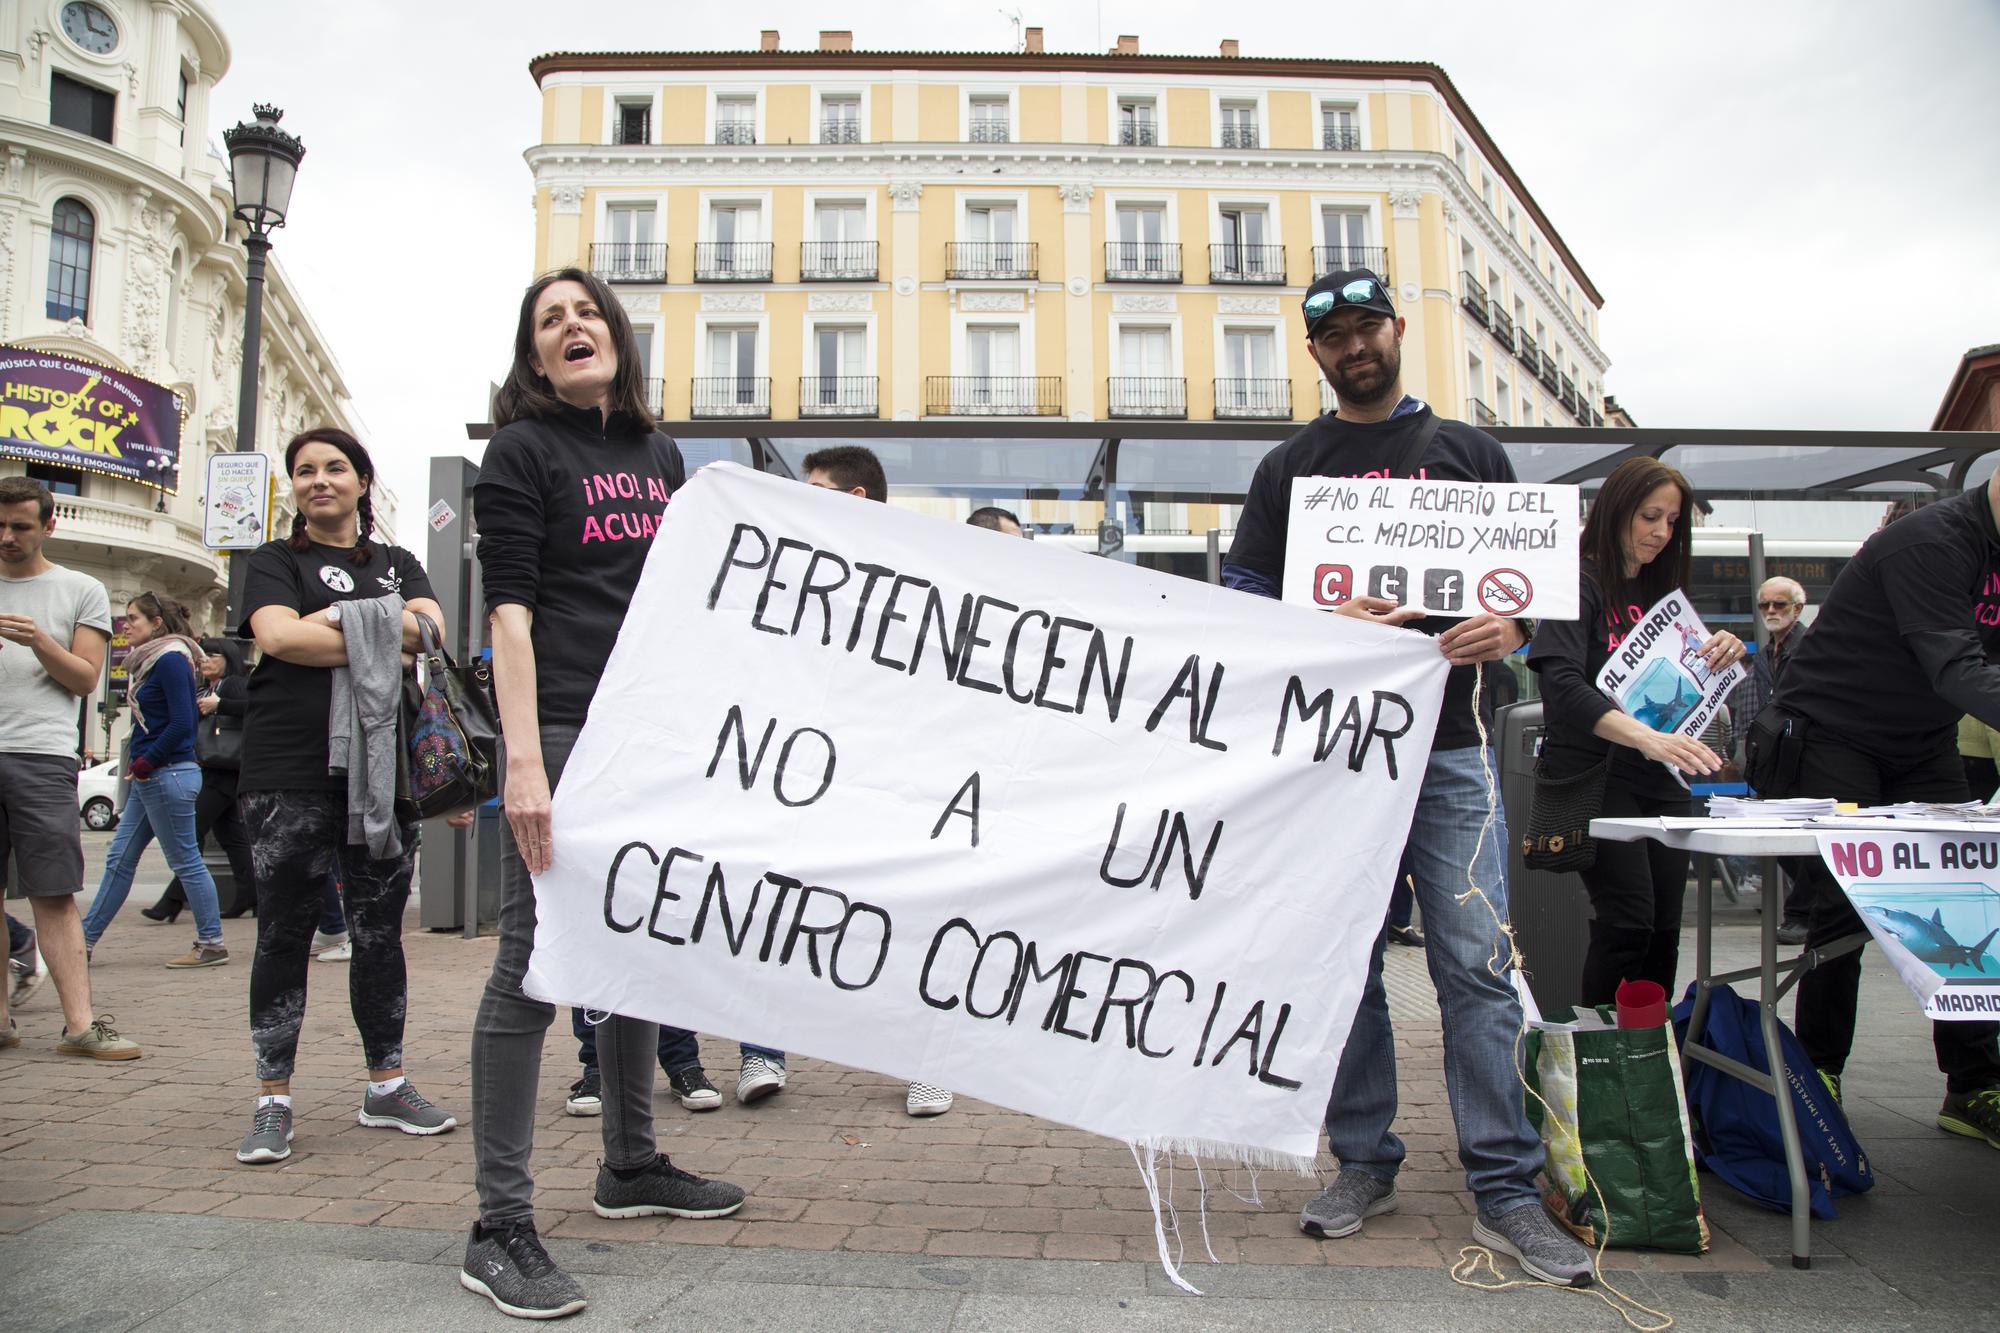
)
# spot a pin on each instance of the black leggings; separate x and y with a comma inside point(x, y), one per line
point(1635, 890)
point(298, 839)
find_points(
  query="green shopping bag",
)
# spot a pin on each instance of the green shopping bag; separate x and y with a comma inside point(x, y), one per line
point(1620, 1111)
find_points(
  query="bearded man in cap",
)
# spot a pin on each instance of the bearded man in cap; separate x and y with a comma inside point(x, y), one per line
point(1377, 430)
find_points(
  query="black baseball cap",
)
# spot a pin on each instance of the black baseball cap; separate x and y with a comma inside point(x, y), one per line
point(1354, 288)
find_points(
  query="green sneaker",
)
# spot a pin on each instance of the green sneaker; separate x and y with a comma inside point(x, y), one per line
point(1832, 1082)
point(1973, 1114)
point(99, 1041)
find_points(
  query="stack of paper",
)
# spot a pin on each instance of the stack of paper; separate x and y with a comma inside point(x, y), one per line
point(1795, 810)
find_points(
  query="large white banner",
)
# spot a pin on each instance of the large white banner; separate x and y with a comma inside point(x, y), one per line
point(1932, 901)
point(1454, 548)
point(1081, 839)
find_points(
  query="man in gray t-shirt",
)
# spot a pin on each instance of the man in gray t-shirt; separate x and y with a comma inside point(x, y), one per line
point(54, 627)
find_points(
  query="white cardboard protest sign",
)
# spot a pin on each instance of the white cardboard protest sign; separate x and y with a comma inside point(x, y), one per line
point(1451, 547)
point(1078, 838)
point(1658, 675)
point(1932, 901)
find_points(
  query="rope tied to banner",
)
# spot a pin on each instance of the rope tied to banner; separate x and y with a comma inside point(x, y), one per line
point(1472, 1259)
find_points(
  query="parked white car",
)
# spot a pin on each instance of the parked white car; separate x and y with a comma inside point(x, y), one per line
point(97, 795)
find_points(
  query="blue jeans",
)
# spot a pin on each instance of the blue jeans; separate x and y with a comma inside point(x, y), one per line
point(1497, 1146)
point(160, 807)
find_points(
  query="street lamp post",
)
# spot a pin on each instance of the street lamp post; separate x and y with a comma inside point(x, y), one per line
point(263, 164)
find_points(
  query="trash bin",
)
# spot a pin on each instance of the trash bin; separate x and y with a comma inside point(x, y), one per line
point(1551, 913)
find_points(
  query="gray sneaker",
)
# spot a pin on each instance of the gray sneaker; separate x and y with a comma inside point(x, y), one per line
point(404, 1109)
point(511, 1269)
point(663, 1188)
point(26, 971)
point(99, 1041)
point(1541, 1246)
point(270, 1136)
point(1342, 1206)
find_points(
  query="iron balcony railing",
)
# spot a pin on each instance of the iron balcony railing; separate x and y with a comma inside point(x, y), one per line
point(1474, 299)
point(635, 128)
point(1253, 400)
point(629, 261)
point(988, 130)
point(1239, 136)
point(840, 129)
point(732, 396)
point(732, 261)
point(1344, 138)
point(993, 395)
point(1341, 258)
point(736, 131)
point(1529, 352)
point(1596, 417)
point(1142, 135)
point(1147, 396)
point(990, 259)
point(1503, 327)
point(1327, 402)
point(1479, 414)
point(1230, 262)
point(1571, 399)
point(838, 396)
point(656, 395)
point(1142, 261)
point(837, 261)
point(1551, 377)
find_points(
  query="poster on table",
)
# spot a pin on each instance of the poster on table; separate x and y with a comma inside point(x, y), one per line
point(1932, 901)
point(74, 413)
point(1077, 838)
point(234, 507)
point(1453, 548)
point(1658, 675)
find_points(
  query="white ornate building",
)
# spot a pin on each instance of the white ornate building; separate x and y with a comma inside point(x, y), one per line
point(116, 244)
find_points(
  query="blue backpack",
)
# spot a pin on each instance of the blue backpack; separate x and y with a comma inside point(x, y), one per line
point(1736, 1126)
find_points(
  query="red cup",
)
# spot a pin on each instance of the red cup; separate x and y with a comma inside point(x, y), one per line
point(1641, 1004)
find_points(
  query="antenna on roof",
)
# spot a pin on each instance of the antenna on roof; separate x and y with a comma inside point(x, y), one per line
point(1013, 16)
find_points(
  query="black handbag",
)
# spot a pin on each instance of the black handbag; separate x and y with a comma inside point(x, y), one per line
point(451, 728)
point(1558, 837)
point(218, 743)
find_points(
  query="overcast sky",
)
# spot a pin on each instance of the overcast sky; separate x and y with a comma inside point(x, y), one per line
point(1790, 208)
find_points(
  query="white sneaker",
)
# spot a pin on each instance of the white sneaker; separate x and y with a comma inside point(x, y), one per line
point(342, 952)
point(927, 1099)
point(27, 974)
point(323, 941)
point(758, 1078)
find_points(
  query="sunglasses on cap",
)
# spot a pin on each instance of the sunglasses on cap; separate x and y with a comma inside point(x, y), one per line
point(1354, 293)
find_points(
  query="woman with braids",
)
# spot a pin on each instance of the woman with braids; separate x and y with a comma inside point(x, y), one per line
point(1636, 548)
point(296, 811)
point(166, 780)
point(568, 496)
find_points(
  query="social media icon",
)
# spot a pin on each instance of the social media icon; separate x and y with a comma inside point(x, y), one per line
point(1388, 581)
point(1333, 584)
point(1444, 589)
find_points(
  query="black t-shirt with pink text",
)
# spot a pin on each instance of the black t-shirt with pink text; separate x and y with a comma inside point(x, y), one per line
point(1331, 446)
point(1907, 639)
point(566, 508)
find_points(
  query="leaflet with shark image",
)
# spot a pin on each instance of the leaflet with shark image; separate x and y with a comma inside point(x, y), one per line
point(1932, 901)
point(1658, 675)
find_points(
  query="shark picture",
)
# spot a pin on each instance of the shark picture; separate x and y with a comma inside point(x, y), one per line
point(1929, 940)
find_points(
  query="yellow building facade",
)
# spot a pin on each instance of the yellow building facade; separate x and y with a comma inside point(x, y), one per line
point(900, 235)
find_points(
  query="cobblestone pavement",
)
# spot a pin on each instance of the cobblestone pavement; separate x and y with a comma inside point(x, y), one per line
point(833, 1163)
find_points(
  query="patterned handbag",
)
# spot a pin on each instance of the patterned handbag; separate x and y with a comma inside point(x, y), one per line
point(452, 729)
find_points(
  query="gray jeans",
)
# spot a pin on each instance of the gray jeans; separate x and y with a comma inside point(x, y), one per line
point(507, 1042)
